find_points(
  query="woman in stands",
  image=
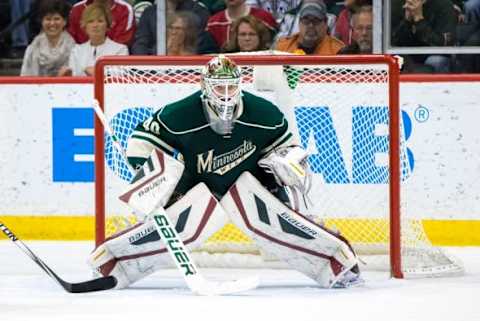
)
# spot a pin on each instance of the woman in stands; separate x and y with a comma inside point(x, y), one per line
point(96, 19)
point(182, 34)
point(248, 34)
point(49, 50)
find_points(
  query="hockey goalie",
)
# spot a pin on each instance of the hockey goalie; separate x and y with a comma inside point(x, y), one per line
point(223, 153)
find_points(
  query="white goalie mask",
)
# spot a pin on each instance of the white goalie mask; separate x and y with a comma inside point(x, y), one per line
point(221, 93)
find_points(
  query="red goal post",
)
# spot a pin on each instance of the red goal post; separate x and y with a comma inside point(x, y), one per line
point(168, 78)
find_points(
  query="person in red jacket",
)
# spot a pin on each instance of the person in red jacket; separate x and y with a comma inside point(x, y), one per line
point(220, 23)
point(123, 21)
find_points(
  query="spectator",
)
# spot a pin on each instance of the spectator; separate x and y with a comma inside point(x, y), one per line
point(145, 39)
point(334, 6)
point(213, 6)
point(199, 11)
point(289, 24)
point(248, 34)
point(181, 34)
point(35, 24)
point(219, 24)
point(145, 42)
point(343, 26)
point(4, 24)
point(472, 11)
point(19, 10)
point(123, 21)
point(468, 15)
point(278, 8)
point(469, 22)
point(50, 50)
point(139, 7)
point(424, 23)
point(362, 32)
point(468, 34)
point(95, 20)
point(312, 39)
point(458, 6)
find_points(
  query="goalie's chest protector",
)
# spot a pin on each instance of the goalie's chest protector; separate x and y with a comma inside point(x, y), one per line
point(219, 160)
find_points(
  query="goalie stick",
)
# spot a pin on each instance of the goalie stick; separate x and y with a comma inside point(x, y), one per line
point(174, 244)
point(100, 284)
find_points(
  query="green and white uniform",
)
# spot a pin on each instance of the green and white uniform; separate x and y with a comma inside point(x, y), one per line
point(182, 129)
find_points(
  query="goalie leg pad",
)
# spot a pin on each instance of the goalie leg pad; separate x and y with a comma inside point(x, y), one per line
point(305, 246)
point(138, 251)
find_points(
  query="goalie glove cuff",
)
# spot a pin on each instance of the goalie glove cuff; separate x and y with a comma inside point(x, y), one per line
point(289, 166)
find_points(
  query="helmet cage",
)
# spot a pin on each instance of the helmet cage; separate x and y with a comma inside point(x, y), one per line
point(223, 95)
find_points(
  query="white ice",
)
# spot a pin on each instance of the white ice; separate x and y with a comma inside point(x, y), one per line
point(28, 294)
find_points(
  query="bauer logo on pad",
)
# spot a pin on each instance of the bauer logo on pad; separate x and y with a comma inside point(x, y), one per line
point(154, 183)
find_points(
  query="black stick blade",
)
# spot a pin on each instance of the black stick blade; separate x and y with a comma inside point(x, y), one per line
point(100, 284)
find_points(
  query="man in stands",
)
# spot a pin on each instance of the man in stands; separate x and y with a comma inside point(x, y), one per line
point(362, 35)
point(278, 8)
point(237, 148)
point(123, 21)
point(220, 23)
point(291, 20)
point(424, 23)
point(344, 24)
point(312, 38)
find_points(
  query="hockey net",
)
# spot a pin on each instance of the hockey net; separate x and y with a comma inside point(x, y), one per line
point(343, 110)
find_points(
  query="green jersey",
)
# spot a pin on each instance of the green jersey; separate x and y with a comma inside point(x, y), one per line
point(182, 129)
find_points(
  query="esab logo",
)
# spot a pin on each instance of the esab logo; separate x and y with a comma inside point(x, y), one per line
point(368, 144)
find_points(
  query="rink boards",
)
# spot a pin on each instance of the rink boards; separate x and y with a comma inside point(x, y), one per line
point(47, 132)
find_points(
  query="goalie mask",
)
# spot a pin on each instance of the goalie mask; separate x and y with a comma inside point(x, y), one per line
point(221, 93)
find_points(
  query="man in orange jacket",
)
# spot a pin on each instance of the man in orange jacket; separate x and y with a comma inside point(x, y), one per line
point(312, 38)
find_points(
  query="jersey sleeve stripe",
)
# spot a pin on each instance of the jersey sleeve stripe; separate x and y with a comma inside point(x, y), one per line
point(262, 126)
point(285, 139)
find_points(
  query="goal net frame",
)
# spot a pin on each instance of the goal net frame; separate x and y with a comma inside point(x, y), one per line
point(266, 60)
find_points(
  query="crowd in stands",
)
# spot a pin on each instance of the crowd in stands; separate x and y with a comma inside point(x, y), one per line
point(65, 37)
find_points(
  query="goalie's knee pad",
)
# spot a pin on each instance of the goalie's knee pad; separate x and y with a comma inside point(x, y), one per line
point(305, 246)
point(138, 251)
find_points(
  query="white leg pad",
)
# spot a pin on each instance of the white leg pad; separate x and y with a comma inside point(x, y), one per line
point(305, 246)
point(138, 251)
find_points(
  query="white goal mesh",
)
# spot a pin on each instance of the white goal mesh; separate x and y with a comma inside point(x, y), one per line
point(343, 110)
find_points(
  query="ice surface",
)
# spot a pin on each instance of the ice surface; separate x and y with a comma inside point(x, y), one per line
point(27, 294)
